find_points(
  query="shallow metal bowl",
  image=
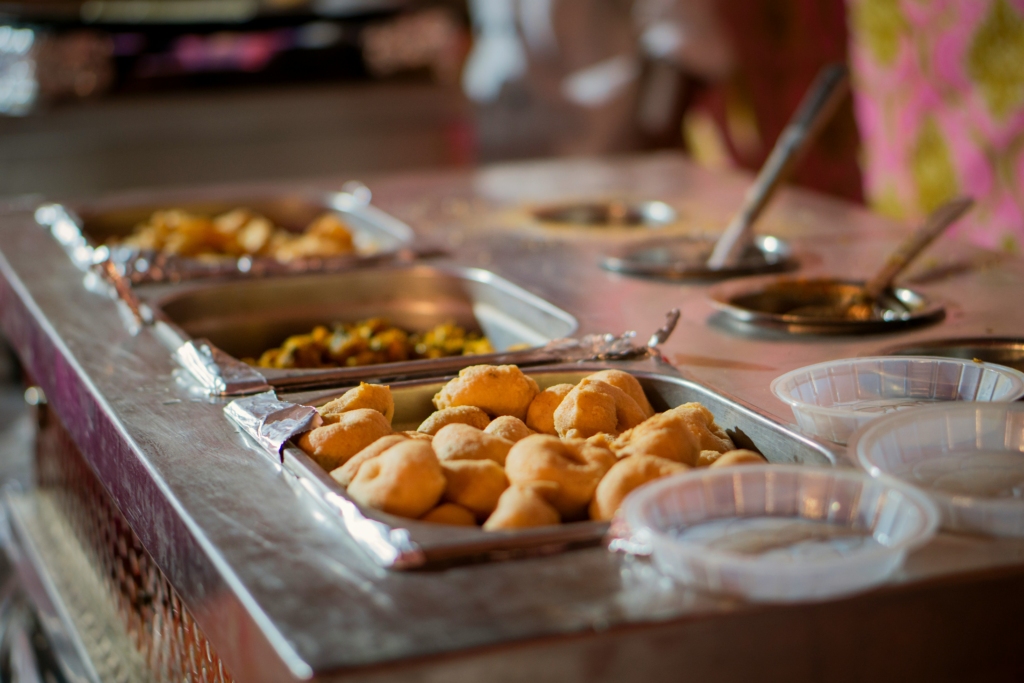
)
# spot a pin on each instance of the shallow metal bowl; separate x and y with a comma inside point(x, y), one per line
point(685, 258)
point(998, 350)
point(767, 302)
point(608, 214)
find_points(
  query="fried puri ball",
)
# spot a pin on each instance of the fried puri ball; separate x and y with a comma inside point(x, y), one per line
point(593, 407)
point(495, 389)
point(474, 484)
point(508, 427)
point(627, 383)
point(540, 417)
point(521, 507)
point(679, 434)
point(333, 444)
point(574, 466)
point(469, 415)
point(404, 480)
point(344, 474)
point(421, 436)
point(740, 456)
point(373, 396)
point(626, 475)
point(450, 513)
point(463, 442)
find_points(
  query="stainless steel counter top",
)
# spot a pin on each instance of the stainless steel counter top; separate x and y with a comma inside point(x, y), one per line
point(283, 594)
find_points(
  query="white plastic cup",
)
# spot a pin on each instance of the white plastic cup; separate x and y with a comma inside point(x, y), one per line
point(779, 533)
point(968, 458)
point(833, 400)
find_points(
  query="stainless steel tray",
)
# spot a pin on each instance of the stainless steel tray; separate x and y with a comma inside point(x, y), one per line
point(1008, 351)
point(245, 318)
point(400, 543)
point(685, 258)
point(82, 229)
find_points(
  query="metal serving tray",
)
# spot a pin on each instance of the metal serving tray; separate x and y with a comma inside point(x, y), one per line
point(83, 228)
point(400, 543)
point(244, 318)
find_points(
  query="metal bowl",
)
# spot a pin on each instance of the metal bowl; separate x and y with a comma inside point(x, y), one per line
point(608, 214)
point(768, 302)
point(685, 258)
point(998, 350)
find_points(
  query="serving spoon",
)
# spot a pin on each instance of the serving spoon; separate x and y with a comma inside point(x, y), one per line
point(860, 304)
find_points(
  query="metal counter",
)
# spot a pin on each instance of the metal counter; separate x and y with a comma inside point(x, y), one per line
point(280, 593)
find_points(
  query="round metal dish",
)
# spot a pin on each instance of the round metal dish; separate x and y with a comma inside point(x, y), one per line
point(766, 302)
point(685, 258)
point(608, 214)
point(1001, 351)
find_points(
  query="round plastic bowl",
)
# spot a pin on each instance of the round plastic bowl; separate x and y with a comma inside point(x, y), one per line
point(779, 533)
point(833, 400)
point(968, 458)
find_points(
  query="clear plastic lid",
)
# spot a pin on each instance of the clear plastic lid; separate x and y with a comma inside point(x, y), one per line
point(968, 458)
point(778, 533)
point(833, 400)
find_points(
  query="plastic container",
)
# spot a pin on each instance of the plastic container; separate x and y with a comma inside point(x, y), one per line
point(779, 533)
point(968, 458)
point(833, 400)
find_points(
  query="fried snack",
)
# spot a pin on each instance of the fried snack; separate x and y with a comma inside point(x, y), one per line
point(333, 444)
point(626, 475)
point(679, 434)
point(467, 415)
point(464, 442)
point(422, 436)
point(508, 427)
point(450, 513)
point(595, 407)
point(344, 474)
point(540, 417)
point(495, 389)
point(373, 396)
point(404, 480)
point(627, 383)
point(474, 484)
point(575, 467)
point(740, 456)
point(522, 507)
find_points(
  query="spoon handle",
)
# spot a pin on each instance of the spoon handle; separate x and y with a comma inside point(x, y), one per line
point(934, 225)
point(815, 110)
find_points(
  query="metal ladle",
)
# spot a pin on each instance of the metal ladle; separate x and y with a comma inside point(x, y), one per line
point(860, 304)
point(817, 107)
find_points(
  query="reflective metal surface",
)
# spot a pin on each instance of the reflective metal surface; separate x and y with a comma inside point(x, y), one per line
point(283, 594)
point(400, 543)
point(608, 214)
point(685, 258)
point(85, 230)
point(1003, 351)
point(821, 306)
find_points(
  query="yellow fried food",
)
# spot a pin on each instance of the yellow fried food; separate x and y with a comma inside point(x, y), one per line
point(345, 473)
point(574, 466)
point(679, 434)
point(627, 383)
point(495, 389)
point(540, 417)
point(595, 407)
point(522, 507)
point(465, 442)
point(404, 480)
point(474, 484)
point(508, 427)
point(626, 475)
point(450, 513)
point(333, 444)
point(467, 415)
point(740, 456)
point(422, 436)
point(373, 396)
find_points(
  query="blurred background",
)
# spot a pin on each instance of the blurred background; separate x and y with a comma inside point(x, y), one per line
point(103, 95)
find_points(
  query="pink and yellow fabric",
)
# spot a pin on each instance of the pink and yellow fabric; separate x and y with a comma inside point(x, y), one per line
point(939, 98)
